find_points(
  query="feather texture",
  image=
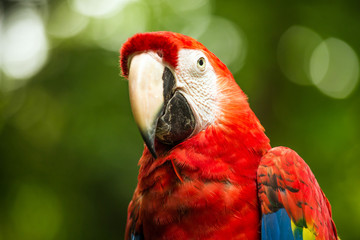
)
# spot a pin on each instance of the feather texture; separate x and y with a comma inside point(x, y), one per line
point(204, 187)
point(276, 225)
point(224, 182)
point(288, 187)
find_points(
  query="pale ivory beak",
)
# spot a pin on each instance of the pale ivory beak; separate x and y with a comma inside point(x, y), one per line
point(146, 95)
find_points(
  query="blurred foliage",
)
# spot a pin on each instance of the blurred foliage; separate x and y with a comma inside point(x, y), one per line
point(69, 145)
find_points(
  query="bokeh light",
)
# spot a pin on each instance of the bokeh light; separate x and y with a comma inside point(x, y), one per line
point(331, 65)
point(191, 18)
point(1, 36)
point(187, 5)
point(64, 22)
point(26, 44)
point(294, 52)
point(95, 8)
point(232, 48)
point(334, 68)
point(109, 33)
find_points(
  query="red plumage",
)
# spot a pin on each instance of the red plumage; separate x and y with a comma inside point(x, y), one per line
point(206, 186)
point(166, 43)
point(285, 179)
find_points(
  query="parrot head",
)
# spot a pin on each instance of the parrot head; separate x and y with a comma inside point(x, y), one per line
point(177, 87)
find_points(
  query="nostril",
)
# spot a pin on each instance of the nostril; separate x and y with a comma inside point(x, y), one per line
point(159, 53)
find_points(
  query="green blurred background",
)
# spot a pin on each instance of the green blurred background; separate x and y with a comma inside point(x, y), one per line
point(68, 143)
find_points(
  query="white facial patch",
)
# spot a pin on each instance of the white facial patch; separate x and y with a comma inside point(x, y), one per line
point(196, 80)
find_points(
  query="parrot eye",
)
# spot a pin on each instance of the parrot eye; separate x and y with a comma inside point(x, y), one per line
point(201, 63)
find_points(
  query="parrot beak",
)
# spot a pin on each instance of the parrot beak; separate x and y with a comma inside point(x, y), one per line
point(160, 110)
point(146, 95)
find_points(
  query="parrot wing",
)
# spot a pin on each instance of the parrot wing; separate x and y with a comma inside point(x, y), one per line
point(292, 203)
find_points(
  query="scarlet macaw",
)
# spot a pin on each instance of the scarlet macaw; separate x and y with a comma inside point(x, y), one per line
point(207, 170)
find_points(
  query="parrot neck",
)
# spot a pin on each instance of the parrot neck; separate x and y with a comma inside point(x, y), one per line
point(205, 187)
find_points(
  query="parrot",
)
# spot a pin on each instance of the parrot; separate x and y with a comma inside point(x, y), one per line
point(207, 170)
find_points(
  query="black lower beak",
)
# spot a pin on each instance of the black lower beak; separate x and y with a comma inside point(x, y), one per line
point(177, 122)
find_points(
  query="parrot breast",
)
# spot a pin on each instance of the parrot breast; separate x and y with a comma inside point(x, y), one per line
point(204, 188)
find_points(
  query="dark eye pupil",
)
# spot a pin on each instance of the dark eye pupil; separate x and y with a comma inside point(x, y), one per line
point(201, 62)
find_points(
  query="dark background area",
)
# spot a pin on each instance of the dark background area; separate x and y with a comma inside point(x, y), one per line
point(68, 143)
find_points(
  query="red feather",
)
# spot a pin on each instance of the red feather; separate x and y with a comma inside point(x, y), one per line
point(206, 186)
point(286, 181)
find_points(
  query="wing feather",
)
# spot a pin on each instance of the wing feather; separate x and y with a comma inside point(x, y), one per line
point(291, 199)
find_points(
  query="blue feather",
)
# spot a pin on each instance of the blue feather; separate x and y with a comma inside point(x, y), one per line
point(276, 226)
point(137, 237)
